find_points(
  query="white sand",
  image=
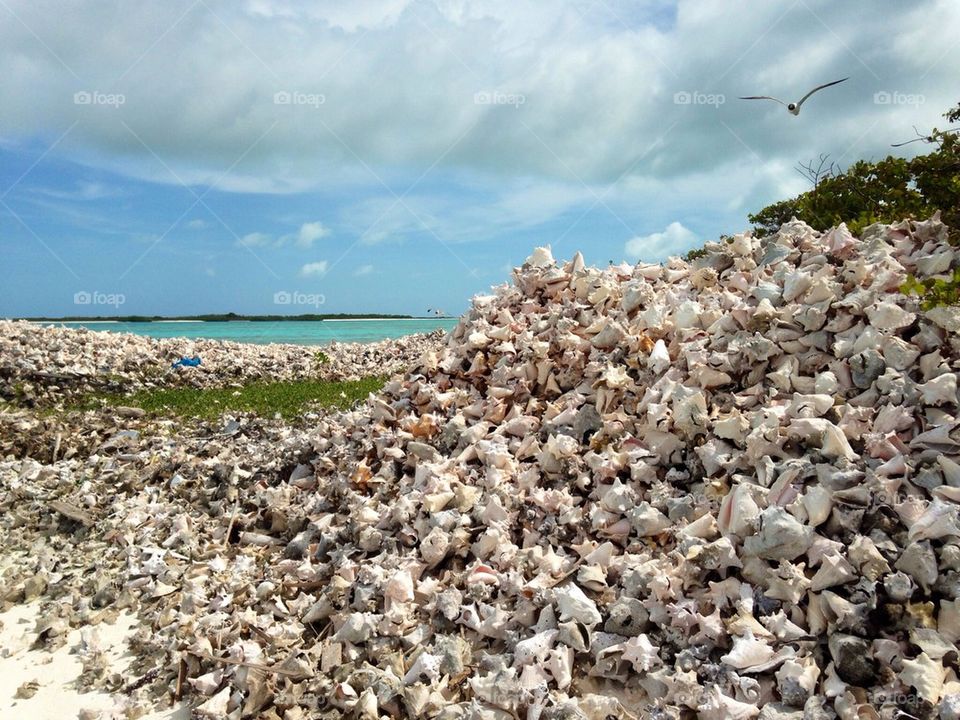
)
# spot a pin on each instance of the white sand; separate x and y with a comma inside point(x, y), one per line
point(55, 672)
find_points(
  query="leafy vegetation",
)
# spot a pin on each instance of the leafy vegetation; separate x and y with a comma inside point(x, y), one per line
point(694, 254)
point(886, 190)
point(934, 292)
point(288, 399)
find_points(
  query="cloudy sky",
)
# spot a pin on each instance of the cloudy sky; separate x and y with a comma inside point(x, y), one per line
point(399, 155)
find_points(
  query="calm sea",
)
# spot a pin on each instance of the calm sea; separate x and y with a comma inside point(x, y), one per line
point(291, 331)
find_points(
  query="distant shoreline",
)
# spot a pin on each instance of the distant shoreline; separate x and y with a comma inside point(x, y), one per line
point(342, 317)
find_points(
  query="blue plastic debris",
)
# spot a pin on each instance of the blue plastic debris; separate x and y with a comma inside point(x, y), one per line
point(187, 362)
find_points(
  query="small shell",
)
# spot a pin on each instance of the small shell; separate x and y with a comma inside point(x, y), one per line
point(717, 706)
point(573, 604)
point(924, 674)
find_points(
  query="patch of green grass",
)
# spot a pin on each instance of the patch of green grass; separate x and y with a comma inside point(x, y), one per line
point(321, 357)
point(289, 399)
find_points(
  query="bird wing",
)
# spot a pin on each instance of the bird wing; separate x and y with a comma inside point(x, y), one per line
point(763, 97)
point(819, 87)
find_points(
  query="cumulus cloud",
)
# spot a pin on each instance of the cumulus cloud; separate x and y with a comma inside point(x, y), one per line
point(363, 270)
point(256, 239)
point(309, 233)
point(540, 111)
point(304, 237)
point(675, 240)
point(314, 269)
point(381, 109)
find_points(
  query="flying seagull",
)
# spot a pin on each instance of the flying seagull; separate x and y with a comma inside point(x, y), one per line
point(794, 108)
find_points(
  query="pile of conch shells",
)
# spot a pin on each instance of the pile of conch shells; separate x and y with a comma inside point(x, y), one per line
point(44, 362)
point(719, 489)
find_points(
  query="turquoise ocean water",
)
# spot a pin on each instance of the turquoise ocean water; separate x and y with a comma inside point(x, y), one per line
point(292, 331)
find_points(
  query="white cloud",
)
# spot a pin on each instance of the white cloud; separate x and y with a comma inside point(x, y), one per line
point(309, 233)
point(197, 224)
point(364, 270)
point(314, 269)
point(568, 62)
point(255, 239)
point(675, 240)
point(304, 237)
point(519, 165)
point(85, 190)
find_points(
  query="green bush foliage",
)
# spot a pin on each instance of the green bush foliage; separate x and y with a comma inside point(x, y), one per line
point(886, 190)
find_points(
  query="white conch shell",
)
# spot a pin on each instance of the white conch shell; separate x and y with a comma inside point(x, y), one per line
point(942, 389)
point(864, 555)
point(399, 588)
point(732, 426)
point(573, 604)
point(747, 651)
point(216, 706)
point(931, 643)
point(717, 706)
point(782, 627)
point(541, 257)
point(659, 358)
point(840, 241)
point(926, 675)
point(834, 570)
point(781, 536)
point(647, 520)
point(367, 707)
point(818, 502)
point(833, 442)
point(889, 316)
point(788, 583)
point(638, 651)
point(948, 620)
point(797, 679)
point(738, 512)
point(535, 648)
point(939, 520)
point(559, 663)
point(208, 683)
point(951, 470)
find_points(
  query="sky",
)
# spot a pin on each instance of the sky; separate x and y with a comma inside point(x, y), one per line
point(278, 156)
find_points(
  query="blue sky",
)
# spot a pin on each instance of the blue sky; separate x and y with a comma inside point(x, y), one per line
point(399, 155)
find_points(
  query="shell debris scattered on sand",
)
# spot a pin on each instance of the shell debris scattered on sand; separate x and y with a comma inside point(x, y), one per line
point(40, 362)
point(722, 489)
